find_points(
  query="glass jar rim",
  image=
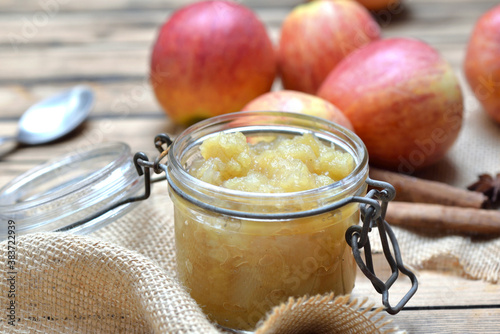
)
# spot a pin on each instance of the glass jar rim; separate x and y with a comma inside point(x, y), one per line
point(252, 121)
point(111, 176)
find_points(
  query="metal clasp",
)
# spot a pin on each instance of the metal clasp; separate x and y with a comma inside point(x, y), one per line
point(373, 214)
point(162, 144)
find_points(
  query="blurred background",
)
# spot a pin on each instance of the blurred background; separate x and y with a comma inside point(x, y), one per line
point(48, 45)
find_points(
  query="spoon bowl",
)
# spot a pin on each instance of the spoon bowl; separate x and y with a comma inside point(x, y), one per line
point(55, 117)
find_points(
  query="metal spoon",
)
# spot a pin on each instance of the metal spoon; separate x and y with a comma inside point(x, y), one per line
point(53, 118)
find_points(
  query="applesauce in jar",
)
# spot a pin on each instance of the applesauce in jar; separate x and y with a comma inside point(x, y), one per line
point(238, 253)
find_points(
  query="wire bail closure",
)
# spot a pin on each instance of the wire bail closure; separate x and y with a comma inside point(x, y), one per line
point(373, 207)
point(373, 215)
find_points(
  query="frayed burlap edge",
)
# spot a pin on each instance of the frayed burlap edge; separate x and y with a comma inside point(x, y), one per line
point(326, 315)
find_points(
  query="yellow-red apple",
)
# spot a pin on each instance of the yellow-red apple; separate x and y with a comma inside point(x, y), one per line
point(390, 5)
point(293, 101)
point(403, 100)
point(211, 58)
point(317, 35)
point(482, 62)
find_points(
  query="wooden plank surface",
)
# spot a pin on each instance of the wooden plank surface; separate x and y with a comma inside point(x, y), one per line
point(107, 45)
point(444, 303)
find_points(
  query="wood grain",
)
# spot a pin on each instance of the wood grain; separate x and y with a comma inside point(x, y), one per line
point(444, 287)
point(445, 302)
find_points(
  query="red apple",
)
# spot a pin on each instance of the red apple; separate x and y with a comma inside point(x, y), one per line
point(403, 100)
point(316, 36)
point(482, 62)
point(211, 58)
point(292, 101)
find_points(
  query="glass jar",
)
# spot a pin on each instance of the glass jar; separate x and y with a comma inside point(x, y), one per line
point(241, 253)
point(80, 192)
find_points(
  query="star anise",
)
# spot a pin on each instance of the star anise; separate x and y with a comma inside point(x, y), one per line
point(488, 185)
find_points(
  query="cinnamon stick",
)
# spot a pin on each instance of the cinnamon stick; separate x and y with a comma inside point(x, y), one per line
point(413, 189)
point(429, 217)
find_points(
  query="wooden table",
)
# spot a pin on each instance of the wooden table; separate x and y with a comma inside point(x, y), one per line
point(50, 45)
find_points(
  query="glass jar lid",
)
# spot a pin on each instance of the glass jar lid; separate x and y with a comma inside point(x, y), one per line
point(70, 192)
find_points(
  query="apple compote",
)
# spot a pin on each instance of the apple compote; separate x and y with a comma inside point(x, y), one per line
point(238, 268)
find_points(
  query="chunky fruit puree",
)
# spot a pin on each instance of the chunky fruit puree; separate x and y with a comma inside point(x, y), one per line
point(238, 269)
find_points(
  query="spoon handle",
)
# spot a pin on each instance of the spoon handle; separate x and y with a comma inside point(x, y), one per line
point(7, 139)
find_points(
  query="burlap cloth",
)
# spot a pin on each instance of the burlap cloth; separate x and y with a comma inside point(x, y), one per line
point(122, 277)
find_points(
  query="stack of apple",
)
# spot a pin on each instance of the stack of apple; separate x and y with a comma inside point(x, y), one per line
point(399, 95)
